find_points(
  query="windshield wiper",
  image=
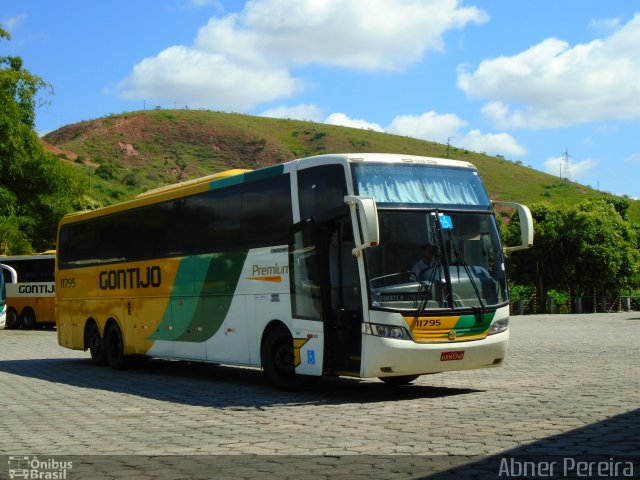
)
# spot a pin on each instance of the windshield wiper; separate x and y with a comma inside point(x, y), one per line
point(460, 261)
point(428, 283)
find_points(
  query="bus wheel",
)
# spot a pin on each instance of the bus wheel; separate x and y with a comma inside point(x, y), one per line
point(278, 361)
point(115, 347)
point(28, 319)
point(12, 319)
point(96, 345)
point(401, 380)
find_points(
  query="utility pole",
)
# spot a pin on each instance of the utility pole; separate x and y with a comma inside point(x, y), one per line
point(566, 165)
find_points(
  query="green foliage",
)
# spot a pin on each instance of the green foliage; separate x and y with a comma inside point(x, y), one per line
point(520, 292)
point(36, 188)
point(106, 171)
point(558, 297)
point(578, 248)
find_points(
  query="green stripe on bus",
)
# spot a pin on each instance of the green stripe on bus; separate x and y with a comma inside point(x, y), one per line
point(201, 297)
point(469, 325)
point(263, 173)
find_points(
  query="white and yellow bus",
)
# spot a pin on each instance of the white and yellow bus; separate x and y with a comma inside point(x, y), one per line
point(303, 269)
point(31, 297)
point(8, 276)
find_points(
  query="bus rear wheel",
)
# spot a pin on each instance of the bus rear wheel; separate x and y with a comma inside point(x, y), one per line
point(278, 361)
point(401, 380)
point(28, 319)
point(96, 345)
point(12, 319)
point(114, 347)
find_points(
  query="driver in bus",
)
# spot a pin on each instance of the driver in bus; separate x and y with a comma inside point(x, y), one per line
point(423, 267)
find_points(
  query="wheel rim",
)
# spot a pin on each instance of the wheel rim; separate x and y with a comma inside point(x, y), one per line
point(114, 343)
point(28, 319)
point(95, 342)
point(283, 359)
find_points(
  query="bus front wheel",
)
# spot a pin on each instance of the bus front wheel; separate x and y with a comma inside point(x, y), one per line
point(96, 345)
point(278, 361)
point(114, 346)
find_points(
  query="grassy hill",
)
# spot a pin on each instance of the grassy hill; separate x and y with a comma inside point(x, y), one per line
point(132, 152)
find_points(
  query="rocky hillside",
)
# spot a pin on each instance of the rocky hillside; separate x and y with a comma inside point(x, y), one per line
point(131, 152)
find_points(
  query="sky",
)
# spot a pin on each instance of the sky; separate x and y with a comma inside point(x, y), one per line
point(552, 84)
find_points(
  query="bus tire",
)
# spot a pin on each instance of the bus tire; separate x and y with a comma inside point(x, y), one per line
point(114, 347)
point(96, 345)
point(12, 319)
point(278, 361)
point(401, 380)
point(28, 319)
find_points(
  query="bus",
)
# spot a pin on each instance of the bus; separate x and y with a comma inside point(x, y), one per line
point(8, 276)
point(303, 269)
point(31, 297)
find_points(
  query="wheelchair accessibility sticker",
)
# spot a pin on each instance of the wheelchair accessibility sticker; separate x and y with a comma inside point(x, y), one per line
point(445, 222)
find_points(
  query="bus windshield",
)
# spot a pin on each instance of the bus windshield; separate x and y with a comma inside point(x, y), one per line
point(436, 260)
point(439, 246)
point(421, 185)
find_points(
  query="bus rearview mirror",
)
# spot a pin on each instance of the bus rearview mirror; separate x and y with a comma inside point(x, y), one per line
point(526, 225)
point(367, 215)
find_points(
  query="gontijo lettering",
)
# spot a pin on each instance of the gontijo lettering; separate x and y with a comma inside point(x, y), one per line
point(130, 278)
point(36, 288)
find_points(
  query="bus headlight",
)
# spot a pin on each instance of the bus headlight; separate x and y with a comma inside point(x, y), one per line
point(390, 331)
point(499, 326)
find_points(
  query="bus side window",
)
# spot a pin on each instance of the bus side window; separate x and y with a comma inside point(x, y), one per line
point(321, 192)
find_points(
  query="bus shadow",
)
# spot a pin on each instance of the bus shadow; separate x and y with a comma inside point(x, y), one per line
point(605, 449)
point(217, 386)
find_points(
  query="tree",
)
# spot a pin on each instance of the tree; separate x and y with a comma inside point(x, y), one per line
point(544, 266)
point(36, 189)
point(604, 247)
point(579, 249)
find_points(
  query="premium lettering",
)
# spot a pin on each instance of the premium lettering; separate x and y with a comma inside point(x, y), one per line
point(130, 278)
point(270, 270)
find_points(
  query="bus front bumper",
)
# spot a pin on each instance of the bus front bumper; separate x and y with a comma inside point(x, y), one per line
point(386, 357)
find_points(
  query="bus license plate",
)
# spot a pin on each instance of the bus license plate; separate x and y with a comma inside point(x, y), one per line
point(448, 356)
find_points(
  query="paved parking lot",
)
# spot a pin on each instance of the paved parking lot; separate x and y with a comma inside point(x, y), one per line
point(569, 388)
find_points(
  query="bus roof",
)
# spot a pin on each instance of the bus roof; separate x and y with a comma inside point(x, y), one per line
point(386, 158)
point(236, 176)
point(33, 256)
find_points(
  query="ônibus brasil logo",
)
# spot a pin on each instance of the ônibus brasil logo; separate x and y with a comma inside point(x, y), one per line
point(34, 468)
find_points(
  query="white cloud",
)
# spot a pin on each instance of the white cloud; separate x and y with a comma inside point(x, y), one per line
point(428, 126)
point(204, 3)
point(606, 25)
point(492, 143)
point(12, 23)
point(200, 79)
point(303, 111)
point(633, 158)
point(267, 38)
point(577, 170)
point(444, 128)
point(367, 35)
point(344, 121)
point(553, 84)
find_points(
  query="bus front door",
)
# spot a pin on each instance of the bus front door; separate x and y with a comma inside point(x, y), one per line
point(325, 287)
point(343, 302)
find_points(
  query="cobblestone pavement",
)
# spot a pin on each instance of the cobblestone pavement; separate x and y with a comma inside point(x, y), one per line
point(570, 387)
